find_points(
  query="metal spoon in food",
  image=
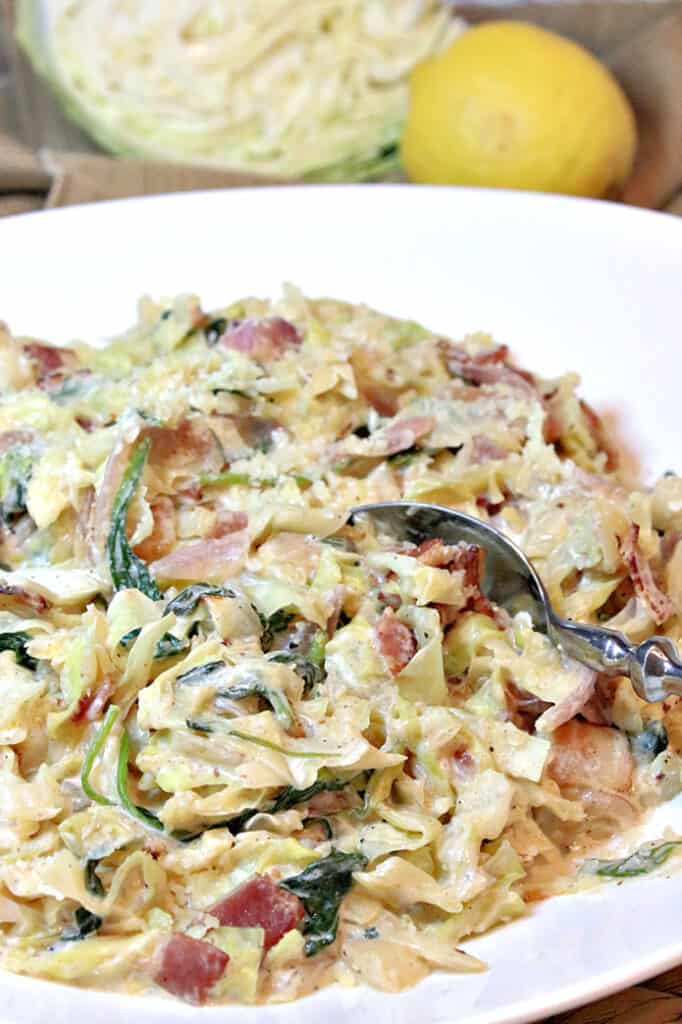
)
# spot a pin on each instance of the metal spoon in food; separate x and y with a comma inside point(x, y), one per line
point(511, 582)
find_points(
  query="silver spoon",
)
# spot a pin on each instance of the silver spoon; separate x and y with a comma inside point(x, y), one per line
point(511, 582)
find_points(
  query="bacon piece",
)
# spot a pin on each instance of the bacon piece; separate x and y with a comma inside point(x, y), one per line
point(487, 367)
point(403, 433)
point(91, 705)
point(596, 429)
point(162, 538)
point(396, 437)
point(262, 340)
point(571, 705)
point(229, 521)
point(466, 558)
point(10, 438)
point(485, 450)
point(523, 708)
point(189, 968)
point(377, 391)
point(259, 903)
point(395, 640)
point(590, 756)
point(191, 442)
point(12, 596)
point(205, 559)
point(380, 396)
point(49, 361)
point(642, 576)
point(436, 553)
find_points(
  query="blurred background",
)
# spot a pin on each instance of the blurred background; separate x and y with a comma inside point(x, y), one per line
point(103, 98)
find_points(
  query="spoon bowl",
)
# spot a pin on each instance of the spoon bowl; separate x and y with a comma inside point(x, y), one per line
point(511, 582)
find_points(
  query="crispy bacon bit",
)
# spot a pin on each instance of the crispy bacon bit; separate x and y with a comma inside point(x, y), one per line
point(523, 708)
point(205, 559)
point(10, 438)
point(12, 596)
point(599, 708)
point(491, 507)
point(371, 382)
point(229, 521)
point(189, 968)
point(91, 706)
point(329, 803)
point(485, 450)
point(464, 763)
point(393, 601)
point(162, 538)
point(487, 367)
point(259, 903)
point(436, 553)
point(262, 340)
point(398, 436)
point(381, 397)
point(466, 558)
point(642, 577)
point(395, 640)
point(403, 433)
point(571, 705)
point(49, 361)
point(596, 428)
point(590, 756)
point(191, 442)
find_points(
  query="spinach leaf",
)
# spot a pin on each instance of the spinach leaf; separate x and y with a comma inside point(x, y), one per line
point(321, 888)
point(405, 458)
point(652, 741)
point(198, 726)
point(85, 923)
point(310, 666)
point(290, 797)
point(269, 745)
point(198, 675)
point(186, 601)
point(342, 543)
point(93, 882)
point(141, 813)
point(215, 329)
point(127, 570)
point(257, 688)
point(273, 624)
point(93, 752)
point(638, 863)
point(16, 466)
point(229, 479)
point(17, 642)
point(166, 647)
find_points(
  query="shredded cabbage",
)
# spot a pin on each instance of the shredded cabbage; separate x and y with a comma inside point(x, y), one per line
point(286, 88)
point(309, 698)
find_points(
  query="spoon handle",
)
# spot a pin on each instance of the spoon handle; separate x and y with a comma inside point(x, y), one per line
point(653, 666)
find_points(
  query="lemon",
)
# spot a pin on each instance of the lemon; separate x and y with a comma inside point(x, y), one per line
point(511, 105)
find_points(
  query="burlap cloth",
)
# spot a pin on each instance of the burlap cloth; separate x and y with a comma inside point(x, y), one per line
point(44, 161)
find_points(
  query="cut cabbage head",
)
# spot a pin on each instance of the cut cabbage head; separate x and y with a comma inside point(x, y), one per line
point(294, 88)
